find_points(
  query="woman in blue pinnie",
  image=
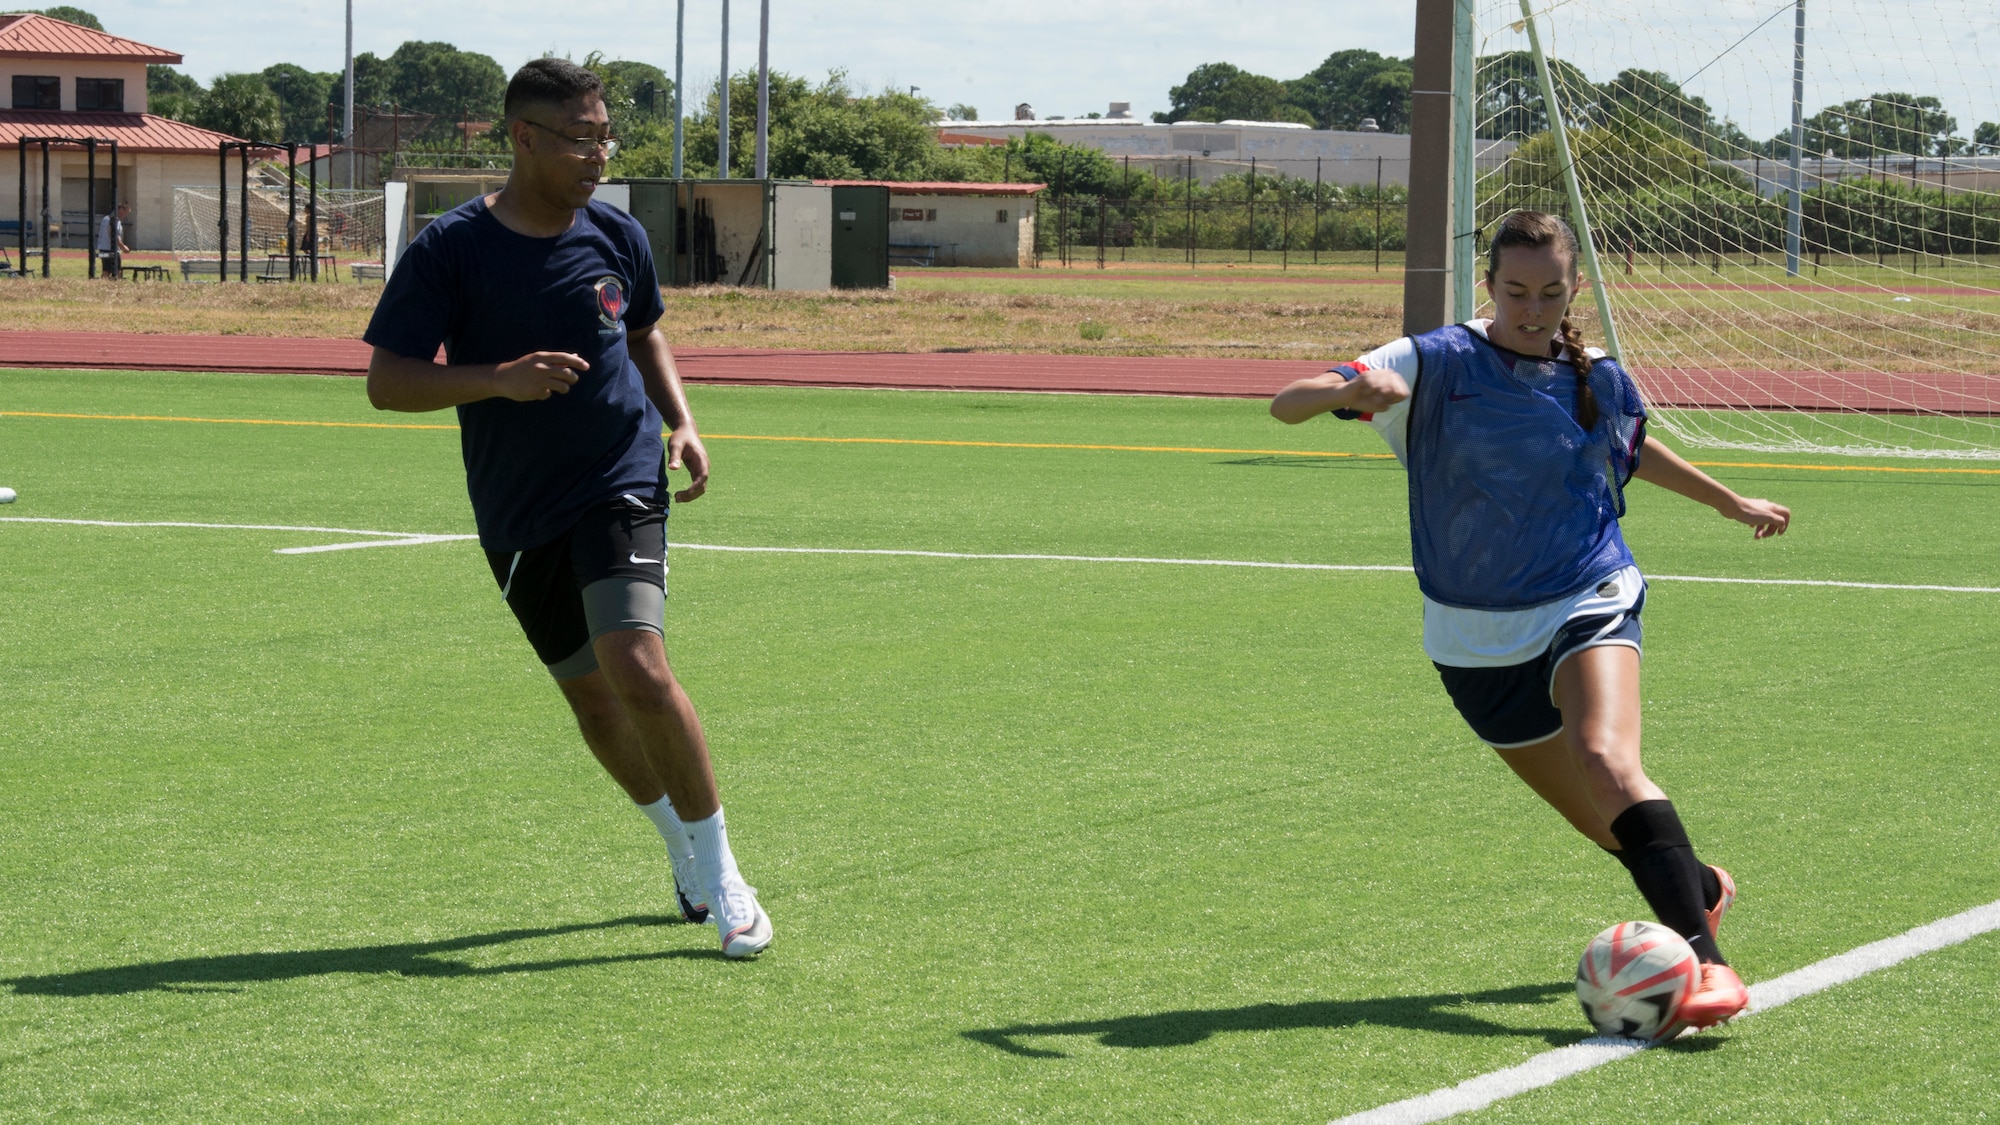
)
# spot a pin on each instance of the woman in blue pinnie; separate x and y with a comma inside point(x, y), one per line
point(1519, 443)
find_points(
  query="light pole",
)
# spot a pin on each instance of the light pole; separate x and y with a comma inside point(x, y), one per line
point(347, 118)
point(680, 37)
point(722, 123)
point(764, 90)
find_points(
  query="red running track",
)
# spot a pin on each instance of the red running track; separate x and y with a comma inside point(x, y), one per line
point(956, 371)
point(983, 371)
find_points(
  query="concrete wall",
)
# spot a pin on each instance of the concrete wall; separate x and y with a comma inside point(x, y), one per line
point(967, 230)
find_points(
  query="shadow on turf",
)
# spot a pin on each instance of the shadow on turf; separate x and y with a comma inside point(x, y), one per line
point(1438, 1012)
point(409, 959)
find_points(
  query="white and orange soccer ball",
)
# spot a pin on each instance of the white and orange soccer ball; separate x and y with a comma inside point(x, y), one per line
point(1633, 978)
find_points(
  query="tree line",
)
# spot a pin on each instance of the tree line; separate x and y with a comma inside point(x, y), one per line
point(1357, 84)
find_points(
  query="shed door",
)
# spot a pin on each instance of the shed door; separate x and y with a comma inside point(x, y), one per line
point(652, 203)
point(861, 238)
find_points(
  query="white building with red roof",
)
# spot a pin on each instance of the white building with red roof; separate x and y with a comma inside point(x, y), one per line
point(70, 81)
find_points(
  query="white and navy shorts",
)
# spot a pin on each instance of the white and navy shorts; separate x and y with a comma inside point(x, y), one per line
point(1514, 705)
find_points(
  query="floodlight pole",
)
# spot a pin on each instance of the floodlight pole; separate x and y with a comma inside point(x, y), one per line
point(1794, 218)
point(680, 40)
point(347, 112)
point(764, 90)
point(1561, 135)
point(722, 118)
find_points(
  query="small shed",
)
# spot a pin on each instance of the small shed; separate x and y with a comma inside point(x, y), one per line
point(958, 224)
point(768, 234)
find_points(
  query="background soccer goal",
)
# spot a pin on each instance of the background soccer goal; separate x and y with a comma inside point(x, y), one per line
point(1847, 301)
point(350, 221)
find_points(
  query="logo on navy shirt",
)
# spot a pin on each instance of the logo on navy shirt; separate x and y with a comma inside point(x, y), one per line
point(610, 301)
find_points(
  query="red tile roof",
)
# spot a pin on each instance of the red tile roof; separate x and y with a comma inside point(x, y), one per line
point(39, 37)
point(134, 132)
point(933, 188)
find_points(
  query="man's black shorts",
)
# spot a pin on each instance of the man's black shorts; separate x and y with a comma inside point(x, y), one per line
point(608, 572)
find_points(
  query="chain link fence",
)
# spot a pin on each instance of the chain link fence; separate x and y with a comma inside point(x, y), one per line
point(1285, 228)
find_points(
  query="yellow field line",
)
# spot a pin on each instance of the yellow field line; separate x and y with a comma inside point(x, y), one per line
point(962, 444)
point(1048, 445)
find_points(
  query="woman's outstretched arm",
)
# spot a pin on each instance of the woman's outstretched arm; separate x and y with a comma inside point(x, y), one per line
point(1662, 466)
point(1374, 389)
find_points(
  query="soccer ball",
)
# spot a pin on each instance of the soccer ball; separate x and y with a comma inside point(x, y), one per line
point(1633, 978)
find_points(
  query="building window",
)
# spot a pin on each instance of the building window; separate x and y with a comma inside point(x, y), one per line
point(1000, 216)
point(104, 94)
point(37, 92)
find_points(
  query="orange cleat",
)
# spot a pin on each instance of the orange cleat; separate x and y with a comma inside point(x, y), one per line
point(1720, 997)
point(1722, 906)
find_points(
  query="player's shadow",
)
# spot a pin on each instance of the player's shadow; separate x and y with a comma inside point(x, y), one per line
point(1442, 1012)
point(224, 972)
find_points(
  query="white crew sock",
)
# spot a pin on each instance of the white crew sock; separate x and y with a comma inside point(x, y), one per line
point(712, 859)
point(664, 818)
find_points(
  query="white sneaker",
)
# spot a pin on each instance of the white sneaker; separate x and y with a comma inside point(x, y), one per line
point(745, 928)
point(691, 910)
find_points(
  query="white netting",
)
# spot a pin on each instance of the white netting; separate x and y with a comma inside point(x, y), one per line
point(1679, 121)
point(350, 222)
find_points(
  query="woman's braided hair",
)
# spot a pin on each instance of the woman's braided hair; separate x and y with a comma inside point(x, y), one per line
point(1535, 229)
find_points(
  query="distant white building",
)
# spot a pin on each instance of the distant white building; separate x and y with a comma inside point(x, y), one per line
point(958, 224)
point(1210, 150)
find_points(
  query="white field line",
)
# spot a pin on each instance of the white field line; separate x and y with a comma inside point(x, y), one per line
point(1553, 1066)
point(407, 541)
point(400, 538)
point(1300, 566)
point(413, 538)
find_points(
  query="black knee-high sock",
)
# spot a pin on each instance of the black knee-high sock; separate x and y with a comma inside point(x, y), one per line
point(1657, 852)
point(1711, 887)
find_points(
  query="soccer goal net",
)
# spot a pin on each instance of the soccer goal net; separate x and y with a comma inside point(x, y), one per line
point(1846, 300)
point(350, 221)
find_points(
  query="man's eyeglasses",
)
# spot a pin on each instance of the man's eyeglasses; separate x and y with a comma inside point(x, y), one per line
point(582, 146)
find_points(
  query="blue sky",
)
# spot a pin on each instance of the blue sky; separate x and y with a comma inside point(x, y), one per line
point(1069, 58)
point(1063, 57)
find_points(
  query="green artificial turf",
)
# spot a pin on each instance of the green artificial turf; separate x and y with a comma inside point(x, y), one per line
point(312, 836)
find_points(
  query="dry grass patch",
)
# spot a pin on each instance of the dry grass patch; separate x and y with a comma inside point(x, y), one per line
point(915, 321)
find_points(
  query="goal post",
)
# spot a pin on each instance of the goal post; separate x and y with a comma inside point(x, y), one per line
point(1791, 217)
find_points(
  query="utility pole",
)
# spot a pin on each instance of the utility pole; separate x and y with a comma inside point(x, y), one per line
point(680, 114)
point(764, 90)
point(347, 118)
point(722, 125)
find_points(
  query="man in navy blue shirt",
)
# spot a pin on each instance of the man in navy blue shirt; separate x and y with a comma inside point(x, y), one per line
point(547, 307)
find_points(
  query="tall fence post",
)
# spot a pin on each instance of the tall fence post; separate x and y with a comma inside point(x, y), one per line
point(1378, 222)
point(222, 211)
point(1318, 179)
point(1190, 209)
point(90, 207)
